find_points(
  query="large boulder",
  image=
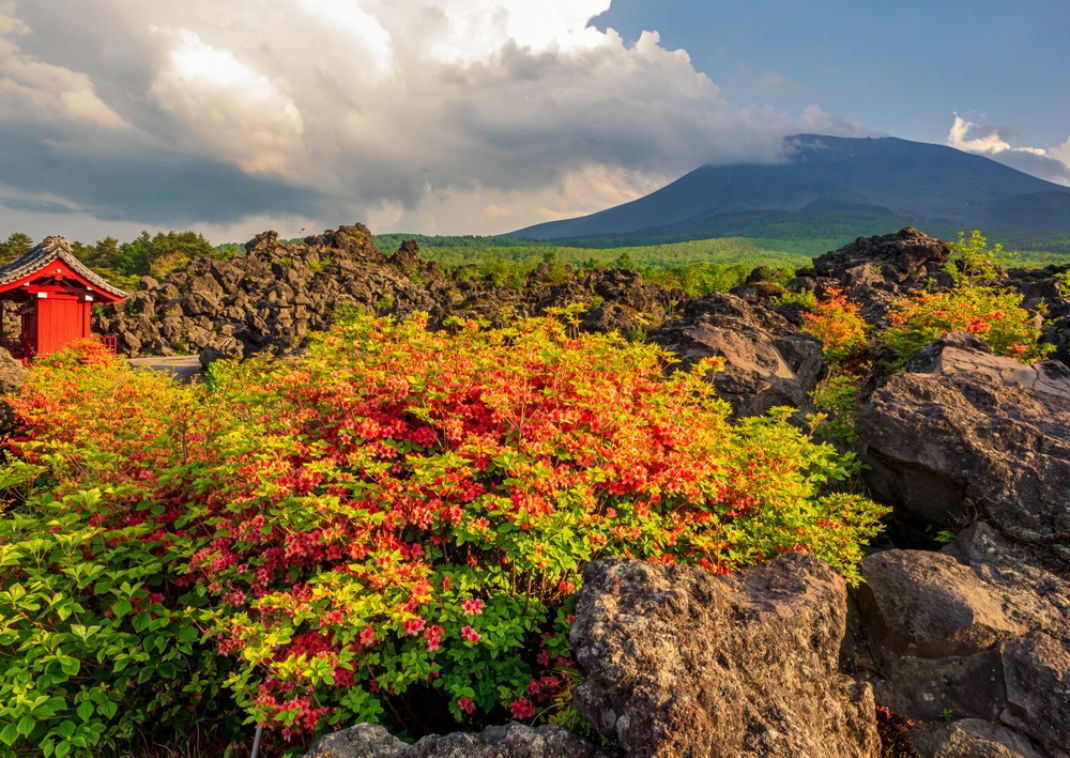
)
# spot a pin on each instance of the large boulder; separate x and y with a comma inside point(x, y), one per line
point(963, 434)
point(768, 361)
point(980, 630)
point(508, 741)
point(680, 662)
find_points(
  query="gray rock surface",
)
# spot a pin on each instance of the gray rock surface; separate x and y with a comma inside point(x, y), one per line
point(768, 361)
point(680, 662)
point(12, 373)
point(964, 434)
point(1037, 673)
point(973, 738)
point(507, 741)
point(874, 271)
point(982, 630)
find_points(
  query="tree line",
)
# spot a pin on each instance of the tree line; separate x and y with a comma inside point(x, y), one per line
point(124, 262)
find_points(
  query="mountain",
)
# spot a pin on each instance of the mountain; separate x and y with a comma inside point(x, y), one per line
point(835, 187)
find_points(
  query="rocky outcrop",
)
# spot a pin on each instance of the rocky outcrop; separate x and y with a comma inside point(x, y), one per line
point(271, 297)
point(980, 630)
point(963, 434)
point(680, 662)
point(874, 271)
point(12, 373)
point(768, 361)
point(509, 741)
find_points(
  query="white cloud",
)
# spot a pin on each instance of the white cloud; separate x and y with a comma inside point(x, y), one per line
point(1052, 164)
point(232, 110)
point(33, 90)
point(452, 115)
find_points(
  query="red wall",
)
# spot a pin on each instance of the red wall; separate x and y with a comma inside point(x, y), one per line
point(60, 320)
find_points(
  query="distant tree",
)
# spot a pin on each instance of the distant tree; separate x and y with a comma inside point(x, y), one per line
point(17, 244)
point(106, 251)
point(133, 257)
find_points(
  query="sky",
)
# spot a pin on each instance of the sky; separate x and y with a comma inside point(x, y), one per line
point(482, 116)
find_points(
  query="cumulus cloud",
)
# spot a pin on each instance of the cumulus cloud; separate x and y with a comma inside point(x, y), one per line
point(444, 115)
point(1052, 164)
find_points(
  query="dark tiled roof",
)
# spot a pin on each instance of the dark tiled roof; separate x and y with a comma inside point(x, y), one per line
point(50, 249)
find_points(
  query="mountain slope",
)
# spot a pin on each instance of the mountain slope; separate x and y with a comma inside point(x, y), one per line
point(829, 186)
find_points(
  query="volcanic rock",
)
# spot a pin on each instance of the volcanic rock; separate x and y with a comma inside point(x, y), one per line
point(874, 271)
point(680, 662)
point(12, 373)
point(508, 741)
point(980, 630)
point(963, 434)
point(973, 738)
point(768, 361)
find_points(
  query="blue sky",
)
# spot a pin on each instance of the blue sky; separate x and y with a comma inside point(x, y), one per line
point(482, 116)
point(901, 67)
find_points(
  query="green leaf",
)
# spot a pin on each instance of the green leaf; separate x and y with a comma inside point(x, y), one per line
point(9, 734)
point(70, 666)
point(85, 711)
point(121, 608)
point(26, 725)
point(141, 621)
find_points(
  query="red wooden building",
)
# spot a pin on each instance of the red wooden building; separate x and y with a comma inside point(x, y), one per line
point(56, 293)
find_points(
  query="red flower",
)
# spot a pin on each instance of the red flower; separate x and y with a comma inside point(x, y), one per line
point(367, 636)
point(466, 705)
point(414, 626)
point(433, 635)
point(522, 709)
point(469, 634)
point(472, 607)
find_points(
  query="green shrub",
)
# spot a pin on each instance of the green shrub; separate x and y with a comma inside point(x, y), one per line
point(972, 304)
point(98, 645)
point(395, 524)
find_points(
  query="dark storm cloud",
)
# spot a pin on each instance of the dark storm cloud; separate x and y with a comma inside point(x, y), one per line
point(484, 114)
point(147, 186)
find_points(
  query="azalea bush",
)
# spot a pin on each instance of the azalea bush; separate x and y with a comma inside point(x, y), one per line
point(974, 303)
point(836, 321)
point(392, 528)
point(98, 641)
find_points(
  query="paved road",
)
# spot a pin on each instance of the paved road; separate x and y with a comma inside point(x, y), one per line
point(184, 368)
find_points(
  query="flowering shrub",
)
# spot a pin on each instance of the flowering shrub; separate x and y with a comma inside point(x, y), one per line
point(972, 304)
point(835, 321)
point(396, 524)
point(994, 315)
point(96, 640)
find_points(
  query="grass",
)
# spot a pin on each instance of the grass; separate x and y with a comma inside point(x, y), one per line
point(721, 251)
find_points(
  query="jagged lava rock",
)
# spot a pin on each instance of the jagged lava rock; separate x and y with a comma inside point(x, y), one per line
point(1037, 674)
point(508, 741)
point(963, 433)
point(874, 271)
point(981, 628)
point(12, 373)
point(768, 361)
point(1040, 285)
point(973, 738)
point(680, 662)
